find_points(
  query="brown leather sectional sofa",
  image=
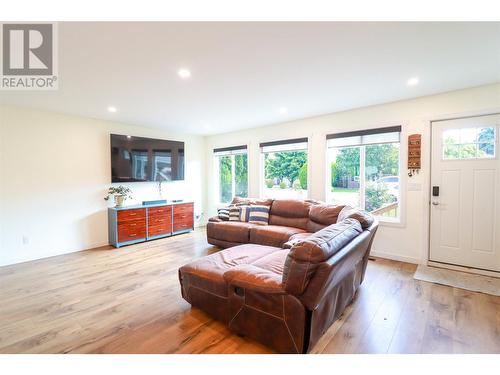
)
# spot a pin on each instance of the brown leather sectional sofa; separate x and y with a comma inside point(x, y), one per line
point(282, 284)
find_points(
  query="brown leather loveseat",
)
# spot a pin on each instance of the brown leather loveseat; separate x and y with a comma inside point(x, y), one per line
point(283, 293)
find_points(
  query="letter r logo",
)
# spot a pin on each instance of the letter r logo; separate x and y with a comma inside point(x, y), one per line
point(27, 49)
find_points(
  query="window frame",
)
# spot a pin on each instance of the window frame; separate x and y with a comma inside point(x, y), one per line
point(229, 151)
point(399, 222)
point(262, 170)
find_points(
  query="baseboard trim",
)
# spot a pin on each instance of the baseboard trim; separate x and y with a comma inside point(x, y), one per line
point(41, 257)
point(399, 258)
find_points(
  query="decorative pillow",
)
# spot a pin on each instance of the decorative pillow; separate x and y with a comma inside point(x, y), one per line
point(365, 218)
point(234, 213)
point(259, 215)
point(223, 213)
point(244, 213)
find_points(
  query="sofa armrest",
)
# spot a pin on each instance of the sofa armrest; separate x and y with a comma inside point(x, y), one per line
point(248, 276)
point(215, 219)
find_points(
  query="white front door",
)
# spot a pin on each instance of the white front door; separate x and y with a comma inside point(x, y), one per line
point(465, 212)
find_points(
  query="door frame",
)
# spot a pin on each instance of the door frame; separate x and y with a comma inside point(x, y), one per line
point(428, 182)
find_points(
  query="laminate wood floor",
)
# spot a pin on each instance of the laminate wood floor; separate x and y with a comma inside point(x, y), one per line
point(128, 301)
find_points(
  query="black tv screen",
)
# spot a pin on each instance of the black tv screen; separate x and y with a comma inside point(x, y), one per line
point(137, 159)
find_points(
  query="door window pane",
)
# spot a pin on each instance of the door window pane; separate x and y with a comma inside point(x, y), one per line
point(469, 143)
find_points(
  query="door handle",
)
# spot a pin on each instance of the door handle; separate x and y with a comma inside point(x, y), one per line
point(435, 203)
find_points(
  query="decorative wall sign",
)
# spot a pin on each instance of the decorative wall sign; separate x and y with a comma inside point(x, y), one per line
point(414, 153)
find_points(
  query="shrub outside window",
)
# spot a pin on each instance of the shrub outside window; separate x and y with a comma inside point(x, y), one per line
point(284, 169)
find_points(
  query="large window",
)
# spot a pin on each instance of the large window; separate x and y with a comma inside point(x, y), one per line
point(231, 165)
point(284, 169)
point(364, 170)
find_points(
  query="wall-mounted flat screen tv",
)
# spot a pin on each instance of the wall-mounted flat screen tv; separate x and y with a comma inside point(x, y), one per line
point(137, 159)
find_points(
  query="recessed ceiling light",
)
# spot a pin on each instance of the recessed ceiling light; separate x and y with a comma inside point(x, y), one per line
point(283, 110)
point(184, 73)
point(112, 109)
point(412, 81)
point(129, 136)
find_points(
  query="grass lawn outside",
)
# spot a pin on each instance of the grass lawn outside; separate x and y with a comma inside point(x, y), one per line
point(345, 196)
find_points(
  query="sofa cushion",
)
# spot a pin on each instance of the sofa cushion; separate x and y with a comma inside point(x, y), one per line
point(272, 235)
point(290, 213)
point(230, 231)
point(259, 215)
point(306, 255)
point(366, 219)
point(263, 275)
point(322, 215)
point(295, 238)
point(223, 213)
point(245, 212)
point(234, 213)
point(207, 273)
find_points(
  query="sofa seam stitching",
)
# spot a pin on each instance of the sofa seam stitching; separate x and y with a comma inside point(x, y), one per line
point(288, 328)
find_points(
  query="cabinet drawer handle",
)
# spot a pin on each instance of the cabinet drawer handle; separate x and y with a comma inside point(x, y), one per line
point(133, 224)
point(183, 216)
point(132, 213)
point(133, 235)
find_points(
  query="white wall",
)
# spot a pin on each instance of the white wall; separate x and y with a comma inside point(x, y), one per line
point(407, 241)
point(54, 173)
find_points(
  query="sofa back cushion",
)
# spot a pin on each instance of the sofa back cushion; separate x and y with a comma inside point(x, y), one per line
point(322, 215)
point(252, 201)
point(306, 255)
point(290, 213)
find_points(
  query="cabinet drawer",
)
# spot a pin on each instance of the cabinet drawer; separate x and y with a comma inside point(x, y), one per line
point(132, 225)
point(184, 208)
point(125, 215)
point(160, 211)
point(130, 232)
point(159, 220)
point(157, 230)
point(183, 225)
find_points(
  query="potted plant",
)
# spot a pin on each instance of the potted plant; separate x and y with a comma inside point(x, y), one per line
point(120, 193)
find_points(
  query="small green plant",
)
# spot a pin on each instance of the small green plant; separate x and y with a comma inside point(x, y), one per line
point(269, 183)
point(120, 191)
point(282, 185)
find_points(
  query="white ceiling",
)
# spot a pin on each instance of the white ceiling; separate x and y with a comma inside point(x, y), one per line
point(242, 73)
